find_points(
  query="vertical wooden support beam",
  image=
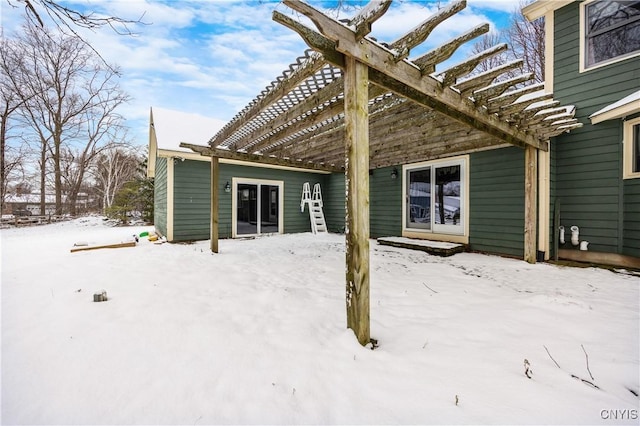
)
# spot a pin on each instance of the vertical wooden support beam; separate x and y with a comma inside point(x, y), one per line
point(356, 99)
point(530, 205)
point(215, 201)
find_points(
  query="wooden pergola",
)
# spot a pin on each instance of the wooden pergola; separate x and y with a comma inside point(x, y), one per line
point(353, 103)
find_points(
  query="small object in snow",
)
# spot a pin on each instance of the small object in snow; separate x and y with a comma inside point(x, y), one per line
point(78, 290)
point(527, 369)
point(457, 400)
point(374, 344)
point(135, 237)
point(118, 245)
point(144, 234)
point(100, 297)
point(80, 244)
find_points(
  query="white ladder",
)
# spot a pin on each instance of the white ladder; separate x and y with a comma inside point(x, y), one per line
point(316, 215)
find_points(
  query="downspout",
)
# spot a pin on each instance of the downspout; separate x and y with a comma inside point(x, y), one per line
point(544, 157)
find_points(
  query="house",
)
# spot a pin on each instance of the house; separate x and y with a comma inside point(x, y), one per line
point(593, 62)
point(28, 204)
point(182, 185)
point(433, 173)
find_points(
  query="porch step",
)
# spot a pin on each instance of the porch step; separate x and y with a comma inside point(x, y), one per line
point(438, 248)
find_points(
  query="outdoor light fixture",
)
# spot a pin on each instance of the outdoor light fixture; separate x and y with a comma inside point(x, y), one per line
point(227, 187)
point(394, 173)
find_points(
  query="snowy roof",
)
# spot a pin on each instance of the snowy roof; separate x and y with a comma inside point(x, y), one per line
point(173, 127)
point(625, 106)
point(30, 198)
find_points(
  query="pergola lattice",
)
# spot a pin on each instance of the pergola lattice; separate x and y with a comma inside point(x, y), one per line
point(353, 103)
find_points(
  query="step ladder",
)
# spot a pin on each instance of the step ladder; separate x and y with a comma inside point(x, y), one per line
point(316, 214)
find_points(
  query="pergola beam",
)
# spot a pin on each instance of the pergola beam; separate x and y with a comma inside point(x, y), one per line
point(403, 78)
point(450, 75)
point(427, 62)
point(316, 108)
point(306, 69)
point(261, 159)
point(402, 47)
point(470, 84)
point(368, 15)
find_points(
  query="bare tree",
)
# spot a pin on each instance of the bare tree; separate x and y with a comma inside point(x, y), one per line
point(485, 42)
point(113, 168)
point(11, 101)
point(72, 103)
point(67, 19)
point(526, 41)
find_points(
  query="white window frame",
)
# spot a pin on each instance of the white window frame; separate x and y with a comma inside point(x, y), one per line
point(583, 44)
point(234, 202)
point(436, 234)
point(627, 146)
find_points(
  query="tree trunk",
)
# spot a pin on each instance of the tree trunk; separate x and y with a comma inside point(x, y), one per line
point(43, 179)
point(3, 133)
point(441, 202)
point(57, 175)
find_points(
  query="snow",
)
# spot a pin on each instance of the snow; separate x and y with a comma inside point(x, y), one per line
point(633, 99)
point(173, 127)
point(256, 334)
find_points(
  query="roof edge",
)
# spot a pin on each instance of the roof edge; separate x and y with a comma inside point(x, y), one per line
point(626, 106)
point(540, 8)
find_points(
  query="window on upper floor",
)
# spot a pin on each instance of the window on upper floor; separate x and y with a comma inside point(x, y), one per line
point(631, 143)
point(611, 31)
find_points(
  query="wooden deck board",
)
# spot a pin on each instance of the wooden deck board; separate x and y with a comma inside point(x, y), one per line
point(438, 248)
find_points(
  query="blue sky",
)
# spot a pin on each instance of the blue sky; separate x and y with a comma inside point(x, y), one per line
point(213, 57)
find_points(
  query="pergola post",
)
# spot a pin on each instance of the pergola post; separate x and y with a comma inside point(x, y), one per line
point(530, 199)
point(215, 198)
point(356, 99)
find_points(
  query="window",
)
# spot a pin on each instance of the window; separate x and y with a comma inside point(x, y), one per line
point(611, 31)
point(631, 142)
point(435, 197)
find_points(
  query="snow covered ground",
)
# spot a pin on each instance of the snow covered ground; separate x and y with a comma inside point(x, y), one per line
point(256, 334)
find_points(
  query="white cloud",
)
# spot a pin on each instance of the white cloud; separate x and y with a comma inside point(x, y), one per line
point(214, 57)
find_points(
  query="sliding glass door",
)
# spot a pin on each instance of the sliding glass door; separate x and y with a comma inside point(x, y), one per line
point(434, 194)
point(257, 207)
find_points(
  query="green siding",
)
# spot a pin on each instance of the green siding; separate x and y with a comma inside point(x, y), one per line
point(192, 200)
point(192, 197)
point(385, 202)
point(160, 196)
point(496, 201)
point(587, 163)
point(334, 202)
point(631, 241)
point(294, 220)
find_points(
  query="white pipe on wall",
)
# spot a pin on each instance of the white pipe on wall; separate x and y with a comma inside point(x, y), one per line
point(561, 234)
point(575, 235)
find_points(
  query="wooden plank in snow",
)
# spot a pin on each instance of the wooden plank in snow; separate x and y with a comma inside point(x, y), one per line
point(118, 245)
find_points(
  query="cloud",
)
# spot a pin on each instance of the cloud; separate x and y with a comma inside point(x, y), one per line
point(214, 57)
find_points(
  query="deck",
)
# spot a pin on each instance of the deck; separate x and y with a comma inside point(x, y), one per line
point(438, 248)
